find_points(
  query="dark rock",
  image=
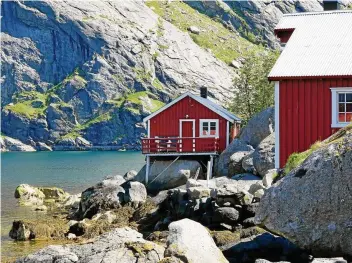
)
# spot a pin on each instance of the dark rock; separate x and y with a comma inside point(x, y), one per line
point(265, 246)
point(227, 215)
point(21, 232)
point(79, 229)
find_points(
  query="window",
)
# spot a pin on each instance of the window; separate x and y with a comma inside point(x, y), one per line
point(341, 107)
point(209, 128)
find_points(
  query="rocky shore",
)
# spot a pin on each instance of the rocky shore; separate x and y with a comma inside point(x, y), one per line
point(249, 212)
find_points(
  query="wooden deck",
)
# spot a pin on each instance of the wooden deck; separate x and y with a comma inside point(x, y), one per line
point(175, 146)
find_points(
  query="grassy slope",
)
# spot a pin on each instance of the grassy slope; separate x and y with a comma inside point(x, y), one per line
point(225, 44)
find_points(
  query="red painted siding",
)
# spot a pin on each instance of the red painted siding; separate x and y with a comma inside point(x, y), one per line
point(305, 113)
point(166, 123)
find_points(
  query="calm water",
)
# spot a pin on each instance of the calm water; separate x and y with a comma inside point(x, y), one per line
point(72, 171)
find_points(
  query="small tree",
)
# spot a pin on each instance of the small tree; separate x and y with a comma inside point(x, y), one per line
point(254, 92)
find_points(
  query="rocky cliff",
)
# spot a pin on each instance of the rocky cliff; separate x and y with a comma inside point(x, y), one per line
point(92, 70)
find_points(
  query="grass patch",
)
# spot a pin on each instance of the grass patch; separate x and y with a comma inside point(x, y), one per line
point(296, 159)
point(26, 109)
point(142, 75)
point(157, 84)
point(224, 43)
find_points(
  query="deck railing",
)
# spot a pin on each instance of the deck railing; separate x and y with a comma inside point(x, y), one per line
point(179, 145)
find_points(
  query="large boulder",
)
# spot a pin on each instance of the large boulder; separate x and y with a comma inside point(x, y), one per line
point(120, 245)
point(235, 164)
point(135, 193)
point(265, 246)
point(106, 195)
point(222, 166)
point(264, 155)
point(29, 195)
point(191, 242)
point(311, 205)
point(176, 174)
point(259, 127)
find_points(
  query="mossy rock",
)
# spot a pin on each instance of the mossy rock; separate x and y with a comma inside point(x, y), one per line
point(53, 193)
point(222, 238)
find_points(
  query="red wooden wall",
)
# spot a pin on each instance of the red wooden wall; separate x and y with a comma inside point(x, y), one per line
point(305, 113)
point(166, 123)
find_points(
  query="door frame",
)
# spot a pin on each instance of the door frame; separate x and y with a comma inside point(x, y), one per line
point(194, 132)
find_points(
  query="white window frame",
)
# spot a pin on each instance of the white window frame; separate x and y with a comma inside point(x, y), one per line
point(201, 121)
point(335, 106)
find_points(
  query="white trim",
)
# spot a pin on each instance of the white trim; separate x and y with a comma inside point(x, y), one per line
point(148, 124)
point(201, 121)
point(194, 132)
point(334, 106)
point(277, 124)
point(208, 105)
point(228, 133)
point(180, 128)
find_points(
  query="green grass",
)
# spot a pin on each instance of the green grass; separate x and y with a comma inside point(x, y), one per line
point(142, 75)
point(23, 104)
point(157, 84)
point(224, 43)
point(296, 159)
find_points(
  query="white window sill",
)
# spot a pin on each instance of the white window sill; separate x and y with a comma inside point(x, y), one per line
point(339, 125)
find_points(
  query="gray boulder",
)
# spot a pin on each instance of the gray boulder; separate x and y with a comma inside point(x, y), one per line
point(194, 30)
point(247, 164)
point(130, 175)
point(259, 127)
point(264, 155)
point(184, 243)
point(120, 245)
point(227, 215)
point(135, 193)
point(222, 164)
point(106, 195)
point(235, 164)
point(311, 206)
point(29, 195)
point(176, 175)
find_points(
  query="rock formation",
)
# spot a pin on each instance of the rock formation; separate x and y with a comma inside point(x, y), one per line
point(311, 206)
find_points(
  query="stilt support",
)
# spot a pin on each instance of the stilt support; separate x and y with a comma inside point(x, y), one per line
point(147, 167)
point(210, 169)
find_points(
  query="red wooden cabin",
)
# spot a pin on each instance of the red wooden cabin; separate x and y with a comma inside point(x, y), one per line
point(189, 125)
point(313, 79)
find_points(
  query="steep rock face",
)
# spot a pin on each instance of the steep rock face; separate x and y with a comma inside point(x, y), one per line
point(91, 58)
point(311, 206)
point(254, 20)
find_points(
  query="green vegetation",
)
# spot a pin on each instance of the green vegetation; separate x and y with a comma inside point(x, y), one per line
point(142, 75)
point(33, 104)
point(157, 84)
point(296, 159)
point(24, 104)
point(254, 92)
point(224, 43)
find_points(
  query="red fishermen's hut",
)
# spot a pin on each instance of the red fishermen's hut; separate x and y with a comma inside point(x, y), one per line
point(190, 126)
point(313, 79)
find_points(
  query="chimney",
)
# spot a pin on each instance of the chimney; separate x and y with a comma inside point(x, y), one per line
point(204, 92)
point(330, 5)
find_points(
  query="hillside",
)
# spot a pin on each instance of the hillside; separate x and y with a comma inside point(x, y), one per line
point(95, 69)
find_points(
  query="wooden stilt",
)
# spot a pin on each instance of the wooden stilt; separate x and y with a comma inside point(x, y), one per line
point(147, 169)
point(211, 166)
point(208, 173)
